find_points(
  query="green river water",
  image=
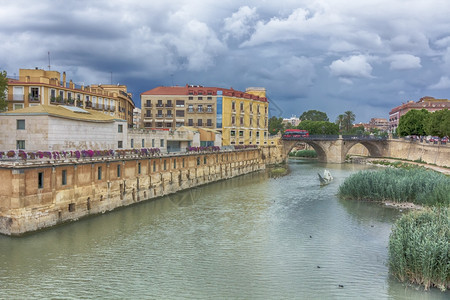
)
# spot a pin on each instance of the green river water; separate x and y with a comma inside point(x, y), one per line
point(251, 237)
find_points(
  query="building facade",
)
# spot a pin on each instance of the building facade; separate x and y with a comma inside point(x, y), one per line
point(61, 128)
point(39, 87)
point(429, 103)
point(241, 117)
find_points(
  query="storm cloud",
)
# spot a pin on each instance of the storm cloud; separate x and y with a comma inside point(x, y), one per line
point(330, 55)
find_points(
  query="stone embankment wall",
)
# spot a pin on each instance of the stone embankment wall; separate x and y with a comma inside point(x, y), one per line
point(43, 194)
point(438, 154)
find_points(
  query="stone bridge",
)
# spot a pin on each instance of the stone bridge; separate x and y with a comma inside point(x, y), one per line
point(334, 148)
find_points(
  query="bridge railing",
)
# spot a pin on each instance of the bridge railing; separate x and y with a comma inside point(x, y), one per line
point(364, 137)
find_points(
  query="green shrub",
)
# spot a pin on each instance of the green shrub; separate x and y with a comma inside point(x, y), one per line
point(306, 153)
point(414, 185)
point(419, 250)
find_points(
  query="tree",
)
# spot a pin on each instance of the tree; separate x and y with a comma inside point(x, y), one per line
point(314, 115)
point(349, 118)
point(438, 123)
point(413, 122)
point(3, 90)
point(340, 121)
point(275, 125)
point(319, 127)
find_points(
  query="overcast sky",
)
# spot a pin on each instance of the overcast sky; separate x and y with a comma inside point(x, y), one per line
point(331, 55)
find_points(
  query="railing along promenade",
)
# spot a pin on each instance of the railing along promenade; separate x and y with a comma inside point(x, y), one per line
point(325, 137)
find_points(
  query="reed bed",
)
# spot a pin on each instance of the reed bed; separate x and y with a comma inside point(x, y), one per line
point(419, 250)
point(417, 185)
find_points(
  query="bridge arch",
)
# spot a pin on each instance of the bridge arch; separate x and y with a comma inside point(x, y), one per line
point(375, 149)
point(317, 146)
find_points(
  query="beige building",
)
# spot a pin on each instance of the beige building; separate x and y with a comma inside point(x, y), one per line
point(429, 103)
point(39, 87)
point(57, 128)
point(241, 117)
point(173, 140)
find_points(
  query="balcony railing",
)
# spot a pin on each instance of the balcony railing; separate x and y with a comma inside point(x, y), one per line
point(148, 105)
point(169, 105)
point(18, 97)
point(148, 116)
point(34, 99)
point(190, 110)
point(209, 110)
point(159, 115)
point(159, 105)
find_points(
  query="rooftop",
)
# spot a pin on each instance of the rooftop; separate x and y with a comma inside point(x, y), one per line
point(62, 111)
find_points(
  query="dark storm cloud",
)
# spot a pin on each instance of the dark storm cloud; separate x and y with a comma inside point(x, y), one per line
point(330, 55)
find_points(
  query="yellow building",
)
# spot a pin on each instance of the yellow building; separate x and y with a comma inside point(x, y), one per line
point(241, 117)
point(40, 87)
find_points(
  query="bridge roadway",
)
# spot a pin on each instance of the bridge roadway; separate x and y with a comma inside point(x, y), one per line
point(334, 148)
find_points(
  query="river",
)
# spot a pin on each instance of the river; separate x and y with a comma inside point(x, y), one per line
point(251, 237)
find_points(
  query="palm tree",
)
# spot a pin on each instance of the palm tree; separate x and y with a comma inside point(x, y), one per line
point(349, 118)
point(340, 121)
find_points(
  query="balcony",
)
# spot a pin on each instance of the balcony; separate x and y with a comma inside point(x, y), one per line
point(169, 116)
point(148, 116)
point(190, 110)
point(169, 105)
point(159, 105)
point(79, 103)
point(16, 97)
point(34, 99)
point(200, 110)
point(159, 116)
point(148, 105)
point(88, 104)
point(210, 125)
point(209, 110)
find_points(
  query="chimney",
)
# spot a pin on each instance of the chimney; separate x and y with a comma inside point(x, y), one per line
point(64, 79)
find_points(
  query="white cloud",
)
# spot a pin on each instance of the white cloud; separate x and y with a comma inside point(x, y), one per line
point(240, 22)
point(444, 83)
point(351, 67)
point(404, 62)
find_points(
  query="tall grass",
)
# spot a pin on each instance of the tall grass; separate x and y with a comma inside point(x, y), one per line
point(419, 250)
point(415, 185)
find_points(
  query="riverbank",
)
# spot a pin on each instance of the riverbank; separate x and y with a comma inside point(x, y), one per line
point(390, 161)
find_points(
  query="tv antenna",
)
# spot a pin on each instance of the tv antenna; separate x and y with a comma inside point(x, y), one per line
point(49, 60)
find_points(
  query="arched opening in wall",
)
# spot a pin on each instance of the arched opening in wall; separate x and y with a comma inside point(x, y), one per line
point(88, 203)
point(358, 150)
point(366, 149)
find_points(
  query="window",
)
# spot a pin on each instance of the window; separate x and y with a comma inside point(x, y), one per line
point(20, 144)
point(233, 133)
point(191, 98)
point(20, 124)
point(153, 143)
point(161, 142)
point(204, 160)
point(198, 161)
point(179, 103)
point(209, 108)
point(257, 134)
point(169, 103)
point(160, 104)
point(241, 133)
point(18, 106)
point(165, 165)
point(190, 108)
point(182, 162)
point(179, 113)
point(200, 98)
point(154, 166)
point(199, 122)
point(64, 177)
point(251, 107)
point(139, 168)
point(132, 143)
point(40, 180)
point(241, 106)
point(120, 144)
point(148, 103)
point(169, 113)
point(209, 122)
point(174, 163)
point(200, 108)
point(233, 120)
point(99, 173)
point(120, 128)
point(241, 121)
point(148, 113)
point(233, 105)
point(143, 143)
point(119, 171)
point(250, 133)
point(209, 98)
point(190, 122)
